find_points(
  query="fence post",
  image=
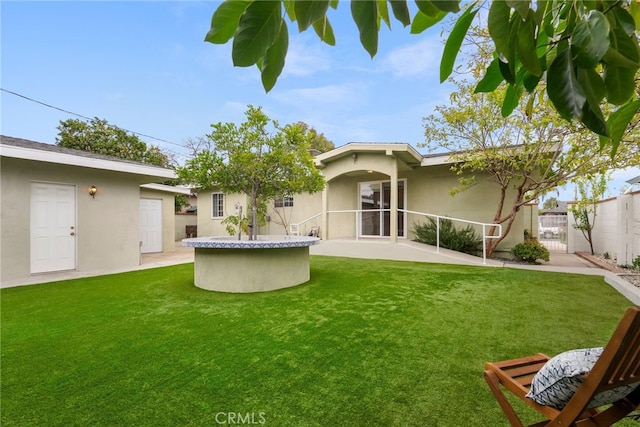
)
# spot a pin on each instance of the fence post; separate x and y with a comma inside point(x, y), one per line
point(484, 244)
point(438, 234)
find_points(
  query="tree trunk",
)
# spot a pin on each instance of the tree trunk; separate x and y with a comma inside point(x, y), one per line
point(506, 222)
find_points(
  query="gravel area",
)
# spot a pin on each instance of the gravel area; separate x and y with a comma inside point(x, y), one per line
point(629, 274)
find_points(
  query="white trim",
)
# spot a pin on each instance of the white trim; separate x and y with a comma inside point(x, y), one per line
point(435, 160)
point(388, 149)
point(223, 202)
point(167, 188)
point(381, 210)
point(81, 161)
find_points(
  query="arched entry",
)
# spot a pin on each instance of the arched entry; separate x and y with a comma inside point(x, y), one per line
point(375, 207)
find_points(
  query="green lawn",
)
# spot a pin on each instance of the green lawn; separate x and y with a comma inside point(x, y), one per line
point(365, 342)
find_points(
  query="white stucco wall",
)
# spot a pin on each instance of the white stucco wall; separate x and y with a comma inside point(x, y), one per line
point(616, 229)
point(107, 226)
point(181, 221)
point(210, 226)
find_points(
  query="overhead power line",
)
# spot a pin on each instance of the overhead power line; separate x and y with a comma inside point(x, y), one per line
point(87, 118)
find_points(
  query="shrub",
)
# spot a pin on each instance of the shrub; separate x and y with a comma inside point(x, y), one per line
point(606, 255)
point(530, 251)
point(636, 263)
point(458, 239)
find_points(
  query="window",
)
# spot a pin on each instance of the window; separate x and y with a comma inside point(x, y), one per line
point(286, 201)
point(217, 205)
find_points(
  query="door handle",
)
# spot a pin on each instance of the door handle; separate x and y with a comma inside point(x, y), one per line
point(72, 233)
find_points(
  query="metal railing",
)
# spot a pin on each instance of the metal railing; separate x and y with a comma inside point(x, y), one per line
point(295, 228)
point(484, 226)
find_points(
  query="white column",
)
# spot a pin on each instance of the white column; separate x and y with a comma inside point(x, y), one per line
point(324, 231)
point(393, 226)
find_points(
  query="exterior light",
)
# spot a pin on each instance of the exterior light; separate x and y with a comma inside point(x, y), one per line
point(92, 191)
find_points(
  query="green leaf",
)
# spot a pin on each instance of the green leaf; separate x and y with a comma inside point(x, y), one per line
point(530, 81)
point(447, 5)
point(289, 9)
point(615, 58)
point(258, 29)
point(492, 78)
point(422, 22)
point(401, 11)
point(563, 87)
point(383, 12)
point(634, 11)
point(592, 118)
point(499, 27)
point(619, 121)
point(526, 46)
point(624, 50)
point(308, 12)
point(624, 20)
point(590, 40)
point(365, 15)
point(541, 13)
point(620, 82)
point(224, 21)
point(454, 42)
point(592, 85)
point(427, 7)
point(508, 59)
point(511, 99)
point(274, 59)
point(324, 30)
point(507, 72)
point(521, 6)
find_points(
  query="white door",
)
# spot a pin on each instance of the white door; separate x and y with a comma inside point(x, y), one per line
point(151, 225)
point(53, 227)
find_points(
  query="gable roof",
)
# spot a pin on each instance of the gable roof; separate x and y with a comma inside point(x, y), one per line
point(25, 149)
point(405, 152)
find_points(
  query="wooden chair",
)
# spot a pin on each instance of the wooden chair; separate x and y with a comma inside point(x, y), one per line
point(618, 365)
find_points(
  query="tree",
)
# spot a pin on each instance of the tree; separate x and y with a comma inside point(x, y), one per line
point(550, 203)
point(591, 189)
point(586, 52)
point(251, 160)
point(98, 136)
point(317, 140)
point(525, 155)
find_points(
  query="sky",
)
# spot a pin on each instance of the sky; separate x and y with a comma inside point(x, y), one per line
point(144, 67)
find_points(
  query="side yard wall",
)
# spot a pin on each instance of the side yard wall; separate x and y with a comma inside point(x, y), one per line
point(182, 220)
point(616, 230)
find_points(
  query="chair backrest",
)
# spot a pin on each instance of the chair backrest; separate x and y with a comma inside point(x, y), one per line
point(621, 357)
point(619, 364)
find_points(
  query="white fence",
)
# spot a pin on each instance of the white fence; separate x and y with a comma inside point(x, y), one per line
point(616, 230)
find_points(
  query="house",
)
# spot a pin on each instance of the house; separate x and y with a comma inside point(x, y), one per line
point(64, 209)
point(373, 190)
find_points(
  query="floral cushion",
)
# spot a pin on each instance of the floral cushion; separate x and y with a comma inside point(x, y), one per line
point(557, 381)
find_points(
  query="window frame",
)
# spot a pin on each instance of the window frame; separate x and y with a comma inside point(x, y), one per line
point(217, 209)
point(283, 202)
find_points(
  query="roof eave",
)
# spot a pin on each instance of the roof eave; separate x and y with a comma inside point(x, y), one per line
point(25, 153)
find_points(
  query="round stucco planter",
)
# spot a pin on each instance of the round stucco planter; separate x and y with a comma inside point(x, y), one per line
point(226, 264)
